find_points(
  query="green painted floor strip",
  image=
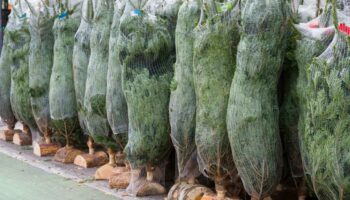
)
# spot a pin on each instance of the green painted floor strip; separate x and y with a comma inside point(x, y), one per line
point(20, 181)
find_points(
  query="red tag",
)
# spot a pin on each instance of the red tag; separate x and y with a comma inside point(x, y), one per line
point(314, 24)
point(344, 28)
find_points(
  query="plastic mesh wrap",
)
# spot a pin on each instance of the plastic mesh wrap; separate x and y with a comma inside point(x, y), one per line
point(306, 44)
point(62, 95)
point(253, 108)
point(309, 9)
point(96, 80)
point(20, 92)
point(81, 56)
point(325, 139)
point(117, 111)
point(40, 64)
point(146, 52)
point(182, 106)
point(215, 46)
point(5, 75)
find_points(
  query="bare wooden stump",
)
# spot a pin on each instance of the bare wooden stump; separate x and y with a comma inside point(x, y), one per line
point(150, 188)
point(146, 187)
point(22, 139)
point(45, 149)
point(120, 179)
point(193, 192)
point(187, 191)
point(91, 160)
point(104, 172)
point(174, 191)
point(67, 155)
point(7, 134)
point(212, 196)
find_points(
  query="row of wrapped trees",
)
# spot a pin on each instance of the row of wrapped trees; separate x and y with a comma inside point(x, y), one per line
point(234, 86)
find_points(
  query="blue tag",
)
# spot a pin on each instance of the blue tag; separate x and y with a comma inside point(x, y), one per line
point(136, 12)
point(24, 15)
point(63, 15)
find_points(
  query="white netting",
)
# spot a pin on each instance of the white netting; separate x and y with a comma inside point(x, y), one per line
point(117, 111)
point(96, 80)
point(20, 42)
point(325, 141)
point(252, 116)
point(306, 40)
point(147, 54)
point(182, 106)
point(81, 56)
point(5, 75)
point(41, 46)
point(215, 47)
point(62, 94)
point(309, 9)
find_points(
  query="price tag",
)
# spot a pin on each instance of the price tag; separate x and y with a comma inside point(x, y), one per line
point(63, 15)
point(136, 13)
point(23, 16)
point(344, 28)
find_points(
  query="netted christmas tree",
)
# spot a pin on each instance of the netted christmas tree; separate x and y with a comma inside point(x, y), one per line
point(215, 47)
point(62, 94)
point(20, 92)
point(81, 56)
point(305, 41)
point(96, 80)
point(325, 141)
point(147, 54)
point(6, 112)
point(117, 110)
point(40, 65)
point(182, 106)
point(116, 105)
point(252, 116)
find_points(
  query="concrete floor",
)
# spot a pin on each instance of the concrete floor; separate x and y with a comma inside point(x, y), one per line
point(24, 176)
point(21, 181)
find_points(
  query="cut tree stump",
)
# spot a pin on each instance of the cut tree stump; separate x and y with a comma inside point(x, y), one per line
point(193, 192)
point(7, 134)
point(91, 160)
point(174, 191)
point(187, 191)
point(42, 149)
point(212, 196)
point(120, 179)
point(67, 155)
point(104, 172)
point(22, 139)
point(149, 188)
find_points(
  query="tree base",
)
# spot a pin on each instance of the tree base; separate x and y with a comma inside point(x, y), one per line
point(67, 155)
point(7, 135)
point(42, 149)
point(187, 191)
point(22, 139)
point(120, 179)
point(104, 172)
point(91, 160)
point(212, 196)
point(143, 188)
